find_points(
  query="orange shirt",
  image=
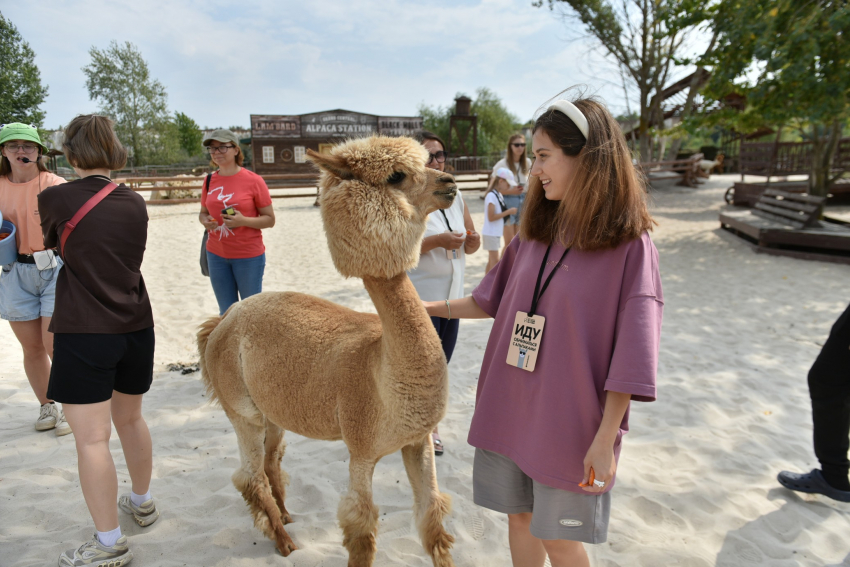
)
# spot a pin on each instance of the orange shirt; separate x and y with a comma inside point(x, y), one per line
point(19, 204)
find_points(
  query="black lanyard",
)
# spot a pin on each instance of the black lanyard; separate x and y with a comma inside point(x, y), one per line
point(447, 220)
point(500, 199)
point(538, 293)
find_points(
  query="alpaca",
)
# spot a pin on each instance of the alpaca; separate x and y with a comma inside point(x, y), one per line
point(289, 361)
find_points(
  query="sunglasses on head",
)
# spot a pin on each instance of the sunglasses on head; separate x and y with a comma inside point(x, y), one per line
point(518, 144)
point(439, 157)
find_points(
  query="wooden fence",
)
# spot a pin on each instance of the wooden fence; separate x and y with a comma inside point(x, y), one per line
point(772, 159)
point(296, 185)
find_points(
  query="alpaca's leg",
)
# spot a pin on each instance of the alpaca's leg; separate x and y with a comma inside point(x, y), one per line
point(358, 515)
point(278, 479)
point(250, 479)
point(429, 505)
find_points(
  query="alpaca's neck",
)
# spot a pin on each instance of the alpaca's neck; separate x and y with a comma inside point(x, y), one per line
point(410, 347)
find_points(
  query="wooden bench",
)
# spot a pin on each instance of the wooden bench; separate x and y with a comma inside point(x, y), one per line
point(685, 170)
point(788, 224)
point(795, 209)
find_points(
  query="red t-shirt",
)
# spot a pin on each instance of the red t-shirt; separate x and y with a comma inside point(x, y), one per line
point(247, 192)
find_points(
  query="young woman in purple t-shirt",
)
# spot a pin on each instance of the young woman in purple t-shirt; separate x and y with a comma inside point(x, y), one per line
point(577, 304)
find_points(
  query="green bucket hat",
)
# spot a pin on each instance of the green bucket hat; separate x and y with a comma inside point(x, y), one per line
point(18, 131)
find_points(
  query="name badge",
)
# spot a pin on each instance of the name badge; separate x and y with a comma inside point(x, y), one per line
point(525, 341)
point(453, 254)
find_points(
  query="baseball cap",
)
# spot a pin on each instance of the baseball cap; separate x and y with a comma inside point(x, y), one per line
point(507, 175)
point(19, 131)
point(222, 135)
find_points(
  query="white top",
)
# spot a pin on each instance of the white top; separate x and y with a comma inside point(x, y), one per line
point(521, 178)
point(492, 228)
point(436, 277)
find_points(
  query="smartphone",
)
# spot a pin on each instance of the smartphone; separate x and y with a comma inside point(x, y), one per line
point(228, 211)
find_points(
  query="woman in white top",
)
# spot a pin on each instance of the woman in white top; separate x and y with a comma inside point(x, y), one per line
point(449, 236)
point(515, 160)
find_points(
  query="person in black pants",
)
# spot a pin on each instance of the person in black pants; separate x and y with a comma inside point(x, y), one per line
point(829, 388)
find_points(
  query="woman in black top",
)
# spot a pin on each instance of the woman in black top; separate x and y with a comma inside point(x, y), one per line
point(103, 334)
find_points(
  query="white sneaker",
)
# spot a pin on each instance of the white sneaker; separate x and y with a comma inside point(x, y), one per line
point(48, 415)
point(62, 427)
point(145, 515)
point(95, 554)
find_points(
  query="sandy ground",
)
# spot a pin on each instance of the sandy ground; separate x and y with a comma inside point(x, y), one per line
point(696, 484)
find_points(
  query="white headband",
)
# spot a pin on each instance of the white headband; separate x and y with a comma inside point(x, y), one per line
point(573, 113)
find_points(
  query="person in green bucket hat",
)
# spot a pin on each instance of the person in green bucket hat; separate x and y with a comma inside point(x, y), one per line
point(28, 285)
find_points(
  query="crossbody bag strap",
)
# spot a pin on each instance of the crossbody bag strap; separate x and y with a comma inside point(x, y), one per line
point(84, 210)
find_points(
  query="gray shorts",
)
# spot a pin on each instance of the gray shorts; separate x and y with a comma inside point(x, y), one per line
point(500, 485)
point(492, 242)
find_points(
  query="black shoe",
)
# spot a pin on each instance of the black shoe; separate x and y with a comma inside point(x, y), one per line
point(812, 483)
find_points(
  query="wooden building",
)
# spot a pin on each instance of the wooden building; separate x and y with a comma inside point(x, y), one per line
point(280, 143)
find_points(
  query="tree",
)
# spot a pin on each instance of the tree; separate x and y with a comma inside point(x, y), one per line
point(119, 79)
point(645, 38)
point(495, 122)
point(790, 59)
point(21, 92)
point(189, 134)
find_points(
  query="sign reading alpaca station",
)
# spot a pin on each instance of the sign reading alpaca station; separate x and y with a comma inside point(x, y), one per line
point(280, 142)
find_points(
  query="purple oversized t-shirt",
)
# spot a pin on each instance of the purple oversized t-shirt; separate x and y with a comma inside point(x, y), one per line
point(603, 325)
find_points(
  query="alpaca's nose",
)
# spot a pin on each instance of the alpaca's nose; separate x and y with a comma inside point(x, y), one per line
point(446, 179)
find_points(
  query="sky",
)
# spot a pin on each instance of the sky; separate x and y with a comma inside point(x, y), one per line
point(222, 61)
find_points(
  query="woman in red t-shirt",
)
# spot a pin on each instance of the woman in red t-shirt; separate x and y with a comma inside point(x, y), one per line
point(235, 206)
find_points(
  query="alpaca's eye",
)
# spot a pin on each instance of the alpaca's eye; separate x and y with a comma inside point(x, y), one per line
point(396, 178)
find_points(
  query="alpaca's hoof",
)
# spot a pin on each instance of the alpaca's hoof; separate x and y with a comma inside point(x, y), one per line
point(286, 547)
point(286, 518)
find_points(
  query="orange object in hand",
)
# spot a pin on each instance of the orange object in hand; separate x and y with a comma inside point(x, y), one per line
point(589, 482)
point(468, 232)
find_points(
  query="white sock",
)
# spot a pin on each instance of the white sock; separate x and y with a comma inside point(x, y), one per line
point(139, 500)
point(109, 538)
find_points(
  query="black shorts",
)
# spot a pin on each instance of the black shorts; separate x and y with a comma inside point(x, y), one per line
point(87, 367)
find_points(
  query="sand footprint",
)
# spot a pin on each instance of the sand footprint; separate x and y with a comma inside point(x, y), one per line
point(474, 524)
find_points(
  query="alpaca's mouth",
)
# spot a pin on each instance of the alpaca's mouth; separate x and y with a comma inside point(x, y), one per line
point(448, 194)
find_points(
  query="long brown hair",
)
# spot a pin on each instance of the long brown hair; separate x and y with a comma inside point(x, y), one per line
point(509, 157)
point(6, 167)
point(605, 204)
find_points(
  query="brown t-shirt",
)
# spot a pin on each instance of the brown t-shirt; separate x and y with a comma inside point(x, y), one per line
point(100, 289)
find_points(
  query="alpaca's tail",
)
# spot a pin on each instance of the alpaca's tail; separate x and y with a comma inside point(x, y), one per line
point(204, 332)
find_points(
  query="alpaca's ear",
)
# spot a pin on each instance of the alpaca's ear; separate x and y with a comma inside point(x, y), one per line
point(332, 164)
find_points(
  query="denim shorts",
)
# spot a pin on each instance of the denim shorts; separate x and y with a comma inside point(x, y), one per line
point(514, 201)
point(26, 293)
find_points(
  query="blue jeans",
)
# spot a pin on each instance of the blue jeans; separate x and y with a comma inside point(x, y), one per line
point(447, 331)
point(235, 279)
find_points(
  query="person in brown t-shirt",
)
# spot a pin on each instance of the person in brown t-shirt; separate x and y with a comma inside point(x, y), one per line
point(103, 333)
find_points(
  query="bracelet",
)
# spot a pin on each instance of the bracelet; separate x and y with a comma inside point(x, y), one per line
point(449, 307)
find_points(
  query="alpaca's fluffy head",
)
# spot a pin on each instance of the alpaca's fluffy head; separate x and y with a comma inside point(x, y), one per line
point(375, 196)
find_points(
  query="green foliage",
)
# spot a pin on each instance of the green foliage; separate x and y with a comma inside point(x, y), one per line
point(646, 38)
point(436, 119)
point(189, 134)
point(119, 79)
point(790, 60)
point(495, 122)
point(21, 92)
